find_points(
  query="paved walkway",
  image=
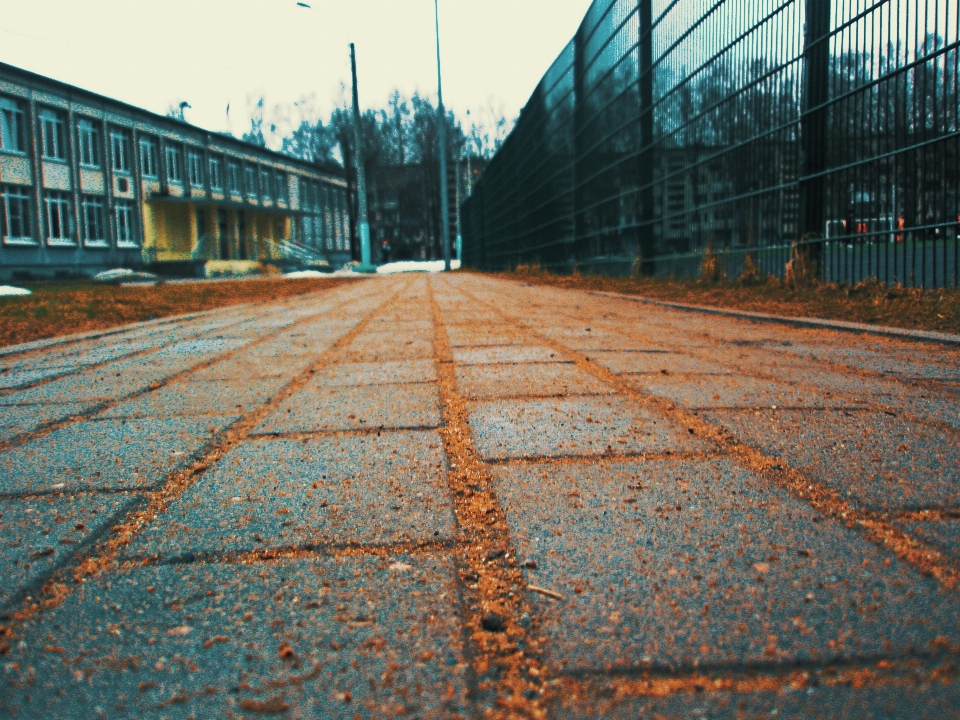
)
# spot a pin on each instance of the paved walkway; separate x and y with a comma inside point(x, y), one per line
point(452, 496)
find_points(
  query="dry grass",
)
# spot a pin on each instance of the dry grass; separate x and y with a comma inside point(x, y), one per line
point(65, 308)
point(867, 302)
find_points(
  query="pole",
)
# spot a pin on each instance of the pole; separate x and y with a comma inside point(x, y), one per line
point(363, 225)
point(813, 124)
point(442, 117)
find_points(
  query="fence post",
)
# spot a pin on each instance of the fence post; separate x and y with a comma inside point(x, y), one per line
point(813, 123)
point(646, 238)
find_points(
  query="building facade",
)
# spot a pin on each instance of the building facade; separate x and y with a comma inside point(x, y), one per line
point(88, 183)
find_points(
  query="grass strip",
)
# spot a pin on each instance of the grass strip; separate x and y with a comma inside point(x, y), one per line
point(66, 308)
point(868, 302)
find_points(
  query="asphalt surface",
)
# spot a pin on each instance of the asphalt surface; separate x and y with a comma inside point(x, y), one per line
point(457, 496)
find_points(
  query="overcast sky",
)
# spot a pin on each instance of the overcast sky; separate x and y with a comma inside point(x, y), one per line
point(154, 53)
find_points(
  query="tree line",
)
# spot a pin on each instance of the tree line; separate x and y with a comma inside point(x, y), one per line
point(400, 147)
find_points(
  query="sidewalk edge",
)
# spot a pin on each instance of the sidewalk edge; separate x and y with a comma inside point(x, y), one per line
point(841, 325)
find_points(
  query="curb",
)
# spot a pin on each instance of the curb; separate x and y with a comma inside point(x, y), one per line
point(841, 325)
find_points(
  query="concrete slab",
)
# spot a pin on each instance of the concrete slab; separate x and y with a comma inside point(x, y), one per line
point(107, 382)
point(562, 428)
point(507, 354)
point(278, 350)
point(303, 638)
point(202, 348)
point(933, 401)
point(207, 397)
point(730, 391)
point(372, 347)
point(12, 379)
point(381, 373)
point(597, 339)
point(107, 454)
point(942, 534)
point(365, 489)
point(481, 336)
point(925, 406)
point(896, 701)
point(887, 360)
point(655, 362)
point(871, 458)
point(252, 367)
point(527, 380)
point(19, 419)
point(403, 326)
point(42, 533)
point(677, 564)
point(355, 408)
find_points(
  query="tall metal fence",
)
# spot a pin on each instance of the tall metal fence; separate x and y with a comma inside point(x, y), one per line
point(669, 126)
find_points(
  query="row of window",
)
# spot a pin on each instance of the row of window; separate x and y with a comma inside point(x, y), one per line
point(269, 185)
point(16, 219)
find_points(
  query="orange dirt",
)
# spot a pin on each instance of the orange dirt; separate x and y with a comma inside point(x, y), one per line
point(64, 309)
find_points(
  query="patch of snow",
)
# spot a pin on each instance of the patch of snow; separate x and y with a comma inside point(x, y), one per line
point(302, 274)
point(10, 291)
point(125, 276)
point(111, 275)
point(430, 266)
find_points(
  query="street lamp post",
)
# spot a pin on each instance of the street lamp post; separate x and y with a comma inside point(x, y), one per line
point(363, 224)
point(442, 132)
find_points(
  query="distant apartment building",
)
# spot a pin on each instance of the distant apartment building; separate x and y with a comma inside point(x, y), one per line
point(405, 209)
point(88, 183)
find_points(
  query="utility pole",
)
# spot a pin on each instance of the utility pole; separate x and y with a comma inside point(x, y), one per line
point(363, 224)
point(441, 116)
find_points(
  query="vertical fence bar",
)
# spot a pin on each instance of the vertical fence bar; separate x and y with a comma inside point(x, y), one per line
point(813, 121)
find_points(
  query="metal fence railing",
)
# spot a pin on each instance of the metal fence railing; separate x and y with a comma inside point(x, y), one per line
point(669, 126)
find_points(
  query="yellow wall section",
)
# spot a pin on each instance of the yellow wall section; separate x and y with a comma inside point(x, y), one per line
point(171, 232)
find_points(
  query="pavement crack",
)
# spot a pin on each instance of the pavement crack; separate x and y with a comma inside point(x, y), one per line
point(505, 660)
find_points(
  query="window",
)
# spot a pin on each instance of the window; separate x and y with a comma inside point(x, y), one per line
point(52, 138)
point(328, 232)
point(12, 129)
point(88, 140)
point(233, 178)
point(265, 184)
point(94, 230)
point(148, 157)
point(216, 179)
point(15, 215)
point(123, 219)
point(195, 168)
point(58, 217)
point(281, 182)
point(250, 182)
point(173, 165)
point(120, 145)
point(308, 231)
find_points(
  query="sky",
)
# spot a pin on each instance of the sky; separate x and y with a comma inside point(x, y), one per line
point(211, 53)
